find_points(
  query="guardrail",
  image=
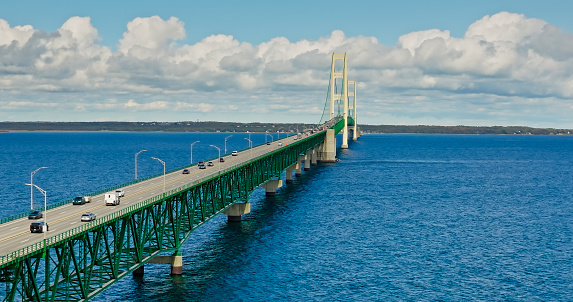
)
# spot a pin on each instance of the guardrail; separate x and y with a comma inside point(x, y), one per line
point(56, 239)
point(102, 191)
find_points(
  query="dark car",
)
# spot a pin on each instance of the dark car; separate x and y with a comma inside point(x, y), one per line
point(79, 200)
point(268, 143)
point(35, 215)
point(222, 160)
point(38, 227)
point(210, 164)
point(185, 171)
point(202, 166)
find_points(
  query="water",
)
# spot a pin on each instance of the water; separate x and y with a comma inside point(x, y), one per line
point(400, 218)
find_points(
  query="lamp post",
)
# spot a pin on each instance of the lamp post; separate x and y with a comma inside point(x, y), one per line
point(45, 205)
point(163, 172)
point(136, 154)
point(278, 134)
point(192, 151)
point(251, 146)
point(226, 143)
point(270, 136)
point(31, 187)
point(219, 156)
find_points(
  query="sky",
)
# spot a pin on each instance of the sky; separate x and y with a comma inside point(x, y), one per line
point(476, 63)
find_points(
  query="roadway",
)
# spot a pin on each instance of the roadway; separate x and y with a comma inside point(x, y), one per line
point(16, 234)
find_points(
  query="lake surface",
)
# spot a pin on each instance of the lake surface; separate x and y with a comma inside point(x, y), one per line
point(400, 218)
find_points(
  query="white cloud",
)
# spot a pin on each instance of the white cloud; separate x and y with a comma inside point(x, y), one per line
point(504, 56)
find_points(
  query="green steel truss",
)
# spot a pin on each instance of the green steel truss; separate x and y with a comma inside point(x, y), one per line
point(81, 263)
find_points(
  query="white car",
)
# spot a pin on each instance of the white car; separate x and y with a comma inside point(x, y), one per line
point(235, 153)
point(88, 217)
point(120, 192)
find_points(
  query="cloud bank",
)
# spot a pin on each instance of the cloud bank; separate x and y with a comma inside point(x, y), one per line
point(506, 69)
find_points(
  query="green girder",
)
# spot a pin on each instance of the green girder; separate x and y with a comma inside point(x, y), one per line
point(81, 263)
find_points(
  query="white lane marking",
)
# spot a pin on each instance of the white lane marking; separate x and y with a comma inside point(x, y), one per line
point(25, 240)
point(63, 212)
point(74, 222)
point(13, 228)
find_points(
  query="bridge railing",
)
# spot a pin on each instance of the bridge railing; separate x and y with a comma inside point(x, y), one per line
point(101, 191)
point(70, 234)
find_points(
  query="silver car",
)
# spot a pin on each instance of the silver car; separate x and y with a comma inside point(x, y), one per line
point(88, 217)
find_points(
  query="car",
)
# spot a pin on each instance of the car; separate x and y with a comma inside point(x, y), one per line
point(268, 143)
point(221, 160)
point(235, 153)
point(280, 144)
point(185, 171)
point(88, 217)
point(200, 163)
point(81, 200)
point(210, 164)
point(202, 166)
point(35, 215)
point(38, 227)
point(120, 192)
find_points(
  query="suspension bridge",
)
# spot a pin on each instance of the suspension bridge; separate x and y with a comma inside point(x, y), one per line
point(75, 262)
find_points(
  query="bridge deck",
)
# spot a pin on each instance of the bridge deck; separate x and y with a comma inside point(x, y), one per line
point(16, 234)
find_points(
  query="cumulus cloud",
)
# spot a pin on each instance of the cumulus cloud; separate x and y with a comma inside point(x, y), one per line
point(504, 56)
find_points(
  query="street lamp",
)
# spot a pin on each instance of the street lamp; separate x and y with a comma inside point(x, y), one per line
point(219, 157)
point(192, 151)
point(163, 172)
point(31, 188)
point(136, 154)
point(278, 135)
point(45, 205)
point(251, 146)
point(270, 136)
point(226, 143)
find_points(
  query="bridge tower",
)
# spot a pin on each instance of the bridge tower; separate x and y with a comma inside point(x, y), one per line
point(339, 96)
point(352, 109)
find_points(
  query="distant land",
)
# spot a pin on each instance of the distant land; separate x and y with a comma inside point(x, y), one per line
point(211, 126)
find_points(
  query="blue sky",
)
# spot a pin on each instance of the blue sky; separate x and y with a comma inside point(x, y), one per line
point(417, 62)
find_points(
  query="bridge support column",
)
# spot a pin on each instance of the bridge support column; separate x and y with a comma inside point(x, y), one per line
point(328, 154)
point(271, 186)
point(314, 155)
point(289, 170)
point(299, 165)
point(235, 211)
point(176, 261)
point(307, 160)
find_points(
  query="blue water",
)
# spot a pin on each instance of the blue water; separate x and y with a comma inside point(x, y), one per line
point(400, 218)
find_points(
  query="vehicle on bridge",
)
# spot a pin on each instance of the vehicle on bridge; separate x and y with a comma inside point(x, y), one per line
point(202, 166)
point(88, 217)
point(120, 192)
point(111, 199)
point(35, 215)
point(235, 153)
point(222, 160)
point(80, 200)
point(185, 171)
point(38, 227)
point(210, 164)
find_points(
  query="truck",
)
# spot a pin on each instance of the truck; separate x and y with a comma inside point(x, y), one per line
point(111, 199)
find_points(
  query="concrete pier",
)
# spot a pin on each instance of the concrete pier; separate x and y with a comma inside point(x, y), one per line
point(299, 165)
point(237, 210)
point(289, 179)
point(328, 150)
point(271, 186)
point(175, 260)
point(314, 156)
point(307, 161)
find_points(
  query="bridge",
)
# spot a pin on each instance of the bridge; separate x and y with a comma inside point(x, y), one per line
point(76, 261)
